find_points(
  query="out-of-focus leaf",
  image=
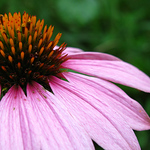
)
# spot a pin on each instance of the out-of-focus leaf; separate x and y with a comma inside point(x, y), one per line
point(77, 11)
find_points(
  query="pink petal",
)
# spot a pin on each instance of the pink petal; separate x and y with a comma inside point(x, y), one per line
point(75, 53)
point(115, 71)
point(58, 129)
point(71, 50)
point(113, 96)
point(37, 122)
point(104, 125)
point(14, 127)
point(92, 56)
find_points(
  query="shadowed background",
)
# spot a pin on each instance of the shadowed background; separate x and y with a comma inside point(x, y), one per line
point(118, 27)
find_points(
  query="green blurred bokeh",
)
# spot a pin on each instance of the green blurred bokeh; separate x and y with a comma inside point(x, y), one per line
point(118, 27)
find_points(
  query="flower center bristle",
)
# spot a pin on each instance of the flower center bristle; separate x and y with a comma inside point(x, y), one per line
point(26, 51)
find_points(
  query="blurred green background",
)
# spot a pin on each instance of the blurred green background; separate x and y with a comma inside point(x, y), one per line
point(118, 27)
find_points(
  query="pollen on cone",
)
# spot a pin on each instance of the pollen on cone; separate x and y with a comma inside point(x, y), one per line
point(29, 48)
point(1, 45)
point(4, 37)
point(41, 51)
point(2, 53)
point(19, 36)
point(3, 68)
point(19, 65)
point(56, 39)
point(30, 39)
point(44, 36)
point(40, 27)
point(45, 28)
point(12, 33)
point(11, 42)
point(22, 55)
point(50, 54)
point(13, 50)
point(50, 32)
point(40, 42)
point(51, 66)
point(29, 72)
point(20, 46)
point(37, 25)
point(33, 20)
point(32, 59)
point(42, 64)
point(26, 32)
point(10, 58)
point(49, 45)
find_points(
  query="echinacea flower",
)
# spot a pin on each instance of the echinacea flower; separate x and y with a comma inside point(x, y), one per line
point(62, 98)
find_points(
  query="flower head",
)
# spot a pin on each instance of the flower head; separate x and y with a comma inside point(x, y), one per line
point(46, 105)
point(27, 53)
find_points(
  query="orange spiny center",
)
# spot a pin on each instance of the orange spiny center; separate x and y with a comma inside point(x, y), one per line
point(26, 51)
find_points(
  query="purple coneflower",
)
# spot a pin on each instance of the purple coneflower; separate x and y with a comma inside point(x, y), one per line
point(61, 98)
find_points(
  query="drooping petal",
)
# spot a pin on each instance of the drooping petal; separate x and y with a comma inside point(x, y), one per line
point(104, 125)
point(92, 56)
point(113, 96)
point(76, 53)
point(72, 50)
point(58, 129)
point(115, 71)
